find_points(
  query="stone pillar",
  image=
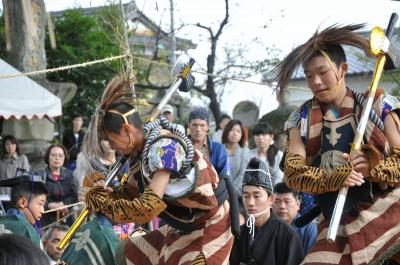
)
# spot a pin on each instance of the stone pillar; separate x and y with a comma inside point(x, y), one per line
point(27, 23)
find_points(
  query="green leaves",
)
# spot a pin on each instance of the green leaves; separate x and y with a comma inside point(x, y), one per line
point(80, 39)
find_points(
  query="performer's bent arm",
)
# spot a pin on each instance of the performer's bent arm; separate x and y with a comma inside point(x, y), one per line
point(300, 176)
point(140, 210)
point(388, 169)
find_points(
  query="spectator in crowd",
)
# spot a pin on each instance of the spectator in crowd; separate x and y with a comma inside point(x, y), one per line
point(72, 140)
point(266, 150)
point(59, 180)
point(214, 152)
point(264, 239)
point(28, 197)
point(223, 121)
point(18, 250)
point(94, 243)
point(52, 237)
point(239, 155)
point(168, 112)
point(11, 160)
point(287, 206)
point(103, 166)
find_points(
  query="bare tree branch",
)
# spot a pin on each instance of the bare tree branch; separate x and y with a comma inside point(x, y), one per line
point(225, 21)
point(206, 28)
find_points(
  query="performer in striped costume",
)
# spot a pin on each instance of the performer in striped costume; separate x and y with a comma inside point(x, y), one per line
point(320, 135)
point(168, 177)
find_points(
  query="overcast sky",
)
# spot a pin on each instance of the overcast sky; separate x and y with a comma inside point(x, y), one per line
point(280, 24)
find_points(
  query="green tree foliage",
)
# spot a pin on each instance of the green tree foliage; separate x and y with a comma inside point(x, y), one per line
point(81, 39)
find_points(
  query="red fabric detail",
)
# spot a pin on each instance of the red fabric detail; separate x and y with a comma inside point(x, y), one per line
point(56, 177)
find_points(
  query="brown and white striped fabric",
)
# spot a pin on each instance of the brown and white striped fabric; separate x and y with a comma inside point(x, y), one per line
point(368, 235)
point(171, 246)
point(207, 179)
point(210, 227)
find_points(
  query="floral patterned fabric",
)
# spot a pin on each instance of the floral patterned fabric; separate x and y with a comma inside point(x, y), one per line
point(166, 153)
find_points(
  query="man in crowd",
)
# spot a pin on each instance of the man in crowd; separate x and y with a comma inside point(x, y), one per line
point(214, 152)
point(52, 237)
point(264, 239)
point(72, 140)
point(286, 206)
point(168, 112)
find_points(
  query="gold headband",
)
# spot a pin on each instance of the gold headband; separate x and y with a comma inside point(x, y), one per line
point(123, 115)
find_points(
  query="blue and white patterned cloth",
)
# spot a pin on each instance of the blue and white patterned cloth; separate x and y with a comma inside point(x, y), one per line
point(166, 153)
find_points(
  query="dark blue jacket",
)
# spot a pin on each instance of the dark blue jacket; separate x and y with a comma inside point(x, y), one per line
point(307, 234)
point(218, 157)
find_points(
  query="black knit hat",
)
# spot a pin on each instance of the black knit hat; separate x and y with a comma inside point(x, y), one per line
point(199, 113)
point(257, 174)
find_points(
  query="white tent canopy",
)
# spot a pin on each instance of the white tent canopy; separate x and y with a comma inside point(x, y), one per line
point(22, 97)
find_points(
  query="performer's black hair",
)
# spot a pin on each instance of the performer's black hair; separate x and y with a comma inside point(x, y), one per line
point(329, 41)
point(112, 122)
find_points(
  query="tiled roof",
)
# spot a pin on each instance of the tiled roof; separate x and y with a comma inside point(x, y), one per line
point(133, 14)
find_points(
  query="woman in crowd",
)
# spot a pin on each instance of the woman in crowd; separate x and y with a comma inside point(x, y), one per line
point(239, 155)
point(103, 166)
point(11, 160)
point(223, 121)
point(59, 180)
point(266, 150)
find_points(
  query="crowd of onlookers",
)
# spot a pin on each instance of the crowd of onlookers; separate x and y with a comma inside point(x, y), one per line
point(66, 179)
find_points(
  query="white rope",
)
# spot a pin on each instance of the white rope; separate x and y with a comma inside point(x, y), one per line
point(251, 221)
point(112, 58)
point(62, 68)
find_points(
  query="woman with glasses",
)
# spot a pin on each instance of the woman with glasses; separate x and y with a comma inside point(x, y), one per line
point(60, 182)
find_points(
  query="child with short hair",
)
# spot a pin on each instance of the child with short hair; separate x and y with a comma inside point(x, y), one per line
point(28, 196)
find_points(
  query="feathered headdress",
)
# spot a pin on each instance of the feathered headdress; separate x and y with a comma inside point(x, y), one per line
point(118, 90)
point(320, 41)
